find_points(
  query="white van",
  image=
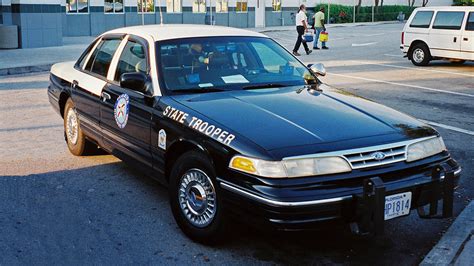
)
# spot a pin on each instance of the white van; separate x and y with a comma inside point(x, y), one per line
point(445, 32)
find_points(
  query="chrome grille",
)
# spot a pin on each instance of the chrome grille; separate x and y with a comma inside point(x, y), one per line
point(366, 158)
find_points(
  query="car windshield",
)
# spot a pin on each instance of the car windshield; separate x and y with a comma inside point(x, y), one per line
point(227, 63)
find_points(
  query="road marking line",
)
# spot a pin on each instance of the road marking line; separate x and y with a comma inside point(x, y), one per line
point(394, 55)
point(465, 131)
point(415, 68)
point(405, 85)
point(363, 44)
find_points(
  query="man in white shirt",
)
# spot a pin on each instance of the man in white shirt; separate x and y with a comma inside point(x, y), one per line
point(301, 28)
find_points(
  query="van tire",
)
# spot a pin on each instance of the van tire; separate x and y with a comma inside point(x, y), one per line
point(420, 54)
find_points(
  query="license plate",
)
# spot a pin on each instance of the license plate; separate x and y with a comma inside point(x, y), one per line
point(397, 205)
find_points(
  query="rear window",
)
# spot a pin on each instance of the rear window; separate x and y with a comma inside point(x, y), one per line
point(422, 19)
point(470, 22)
point(102, 57)
point(448, 20)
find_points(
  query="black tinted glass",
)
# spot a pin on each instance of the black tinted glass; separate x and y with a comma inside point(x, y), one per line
point(132, 59)
point(103, 57)
point(422, 19)
point(470, 22)
point(448, 20)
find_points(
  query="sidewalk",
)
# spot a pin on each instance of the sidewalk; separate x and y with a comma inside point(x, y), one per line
point(18, 61)
point(456, 247)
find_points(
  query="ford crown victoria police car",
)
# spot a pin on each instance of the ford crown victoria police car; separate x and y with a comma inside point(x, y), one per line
point(234, 124)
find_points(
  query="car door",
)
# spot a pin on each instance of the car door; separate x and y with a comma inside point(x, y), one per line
point(467, 43)
point(445, 34)
point(89, 80)
point(125, 113)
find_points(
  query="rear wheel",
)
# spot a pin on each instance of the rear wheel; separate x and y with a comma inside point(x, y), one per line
point(76, 140)
point(194, 198)
point(420, 55)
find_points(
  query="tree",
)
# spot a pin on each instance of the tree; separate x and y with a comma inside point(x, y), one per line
point(425, 2)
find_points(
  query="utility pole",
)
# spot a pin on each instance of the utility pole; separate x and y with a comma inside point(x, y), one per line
point(143, 13)
point(354, 13)
point(329, 11)
point(373, 4)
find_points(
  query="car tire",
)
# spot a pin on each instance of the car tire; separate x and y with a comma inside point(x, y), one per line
point(195, 200)
point(76, 141)
point(420, 55)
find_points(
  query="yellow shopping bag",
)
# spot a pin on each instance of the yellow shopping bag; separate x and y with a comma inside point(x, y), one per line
point(323, 36)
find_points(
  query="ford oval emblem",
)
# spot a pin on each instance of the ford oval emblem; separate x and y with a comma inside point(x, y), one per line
point(379, 156)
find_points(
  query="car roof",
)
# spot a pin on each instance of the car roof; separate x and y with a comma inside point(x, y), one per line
point(447, 8)
point(177, 31)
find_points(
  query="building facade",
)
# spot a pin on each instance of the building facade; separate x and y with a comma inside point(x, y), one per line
point(44, 22)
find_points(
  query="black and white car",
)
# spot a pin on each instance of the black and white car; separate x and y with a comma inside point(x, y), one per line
point(234, 124)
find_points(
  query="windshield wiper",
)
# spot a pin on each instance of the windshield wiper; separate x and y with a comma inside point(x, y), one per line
point(199, 90)
point(265, 86)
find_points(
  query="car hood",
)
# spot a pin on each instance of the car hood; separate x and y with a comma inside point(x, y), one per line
point(298, 116)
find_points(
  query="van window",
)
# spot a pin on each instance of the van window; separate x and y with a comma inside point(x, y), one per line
point(448, 20)
point(422, 19)
point(470, 22)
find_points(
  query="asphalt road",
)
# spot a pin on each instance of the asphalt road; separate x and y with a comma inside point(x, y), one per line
point(59, 209)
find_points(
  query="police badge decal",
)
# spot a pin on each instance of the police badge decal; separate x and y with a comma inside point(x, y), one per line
point(121, 109)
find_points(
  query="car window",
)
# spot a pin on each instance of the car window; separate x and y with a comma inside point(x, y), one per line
point(227, 63)
point(132, 59)
point(82, 60)
point(422, 19)
point(448, 20)
point(102, 56)
point(470, 21)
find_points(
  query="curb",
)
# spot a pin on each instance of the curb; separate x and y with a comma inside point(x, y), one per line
point(456, 247)
point(24, 69)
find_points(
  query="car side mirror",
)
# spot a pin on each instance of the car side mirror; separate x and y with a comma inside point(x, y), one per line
point(317, 69)
point(135, 81)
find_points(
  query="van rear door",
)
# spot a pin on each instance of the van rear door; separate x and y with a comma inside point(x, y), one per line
point(445, 34)
point(467, 42)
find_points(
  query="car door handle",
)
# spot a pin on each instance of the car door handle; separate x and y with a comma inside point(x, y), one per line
point(105, 96)
point(466, 39)
point(455, 39)
point(74, 84)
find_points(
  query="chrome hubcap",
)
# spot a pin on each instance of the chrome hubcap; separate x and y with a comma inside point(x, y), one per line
point(72, 126)
point(418, 55)
point(197, 198)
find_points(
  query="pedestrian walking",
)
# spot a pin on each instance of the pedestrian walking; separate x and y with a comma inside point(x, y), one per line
point(301, 28)
point(318, 28)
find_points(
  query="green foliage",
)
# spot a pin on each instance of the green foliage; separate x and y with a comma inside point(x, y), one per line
point(463, 3)
point(344, 14)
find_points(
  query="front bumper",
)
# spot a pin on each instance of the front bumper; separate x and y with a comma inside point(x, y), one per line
point(352, 204)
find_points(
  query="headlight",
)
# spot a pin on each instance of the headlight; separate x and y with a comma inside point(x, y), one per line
point(290, 168)
point(425, 148)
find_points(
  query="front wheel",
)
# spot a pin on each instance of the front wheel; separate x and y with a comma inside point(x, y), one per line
point(420, 55)
point(194, 198)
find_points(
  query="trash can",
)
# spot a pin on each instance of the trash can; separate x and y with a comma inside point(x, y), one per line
point(8, 36)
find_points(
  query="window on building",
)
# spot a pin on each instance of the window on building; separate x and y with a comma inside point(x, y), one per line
point(77, 6)
point(222, 6)
point(132, 59)
point(199, 6)
point(113, 6)
point(470, 22)
point(173, 6)
point(448, 20)
point(276, 4)
point(100, 60)
point(146, 6)
point(422, 19)
point(241, 6)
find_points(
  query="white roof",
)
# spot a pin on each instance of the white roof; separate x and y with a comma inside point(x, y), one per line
point(447, 8)
point(176, 31)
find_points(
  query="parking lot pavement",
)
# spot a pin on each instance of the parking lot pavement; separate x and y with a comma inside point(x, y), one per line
point(59, 209)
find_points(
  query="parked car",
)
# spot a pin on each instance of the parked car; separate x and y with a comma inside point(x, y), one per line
point(433, 33)
point(235, 125)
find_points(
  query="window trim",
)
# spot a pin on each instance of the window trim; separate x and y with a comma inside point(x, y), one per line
point(114, 12)
point(199, 12)
point(80, 13)
point(241, 1)
point(221, 12)
point(146, 12)
point(443, 28)
point(423, 27)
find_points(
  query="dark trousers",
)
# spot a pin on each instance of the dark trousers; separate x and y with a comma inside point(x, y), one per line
point(300, 30)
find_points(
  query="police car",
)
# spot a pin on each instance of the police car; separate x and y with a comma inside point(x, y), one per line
point(234, 125)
